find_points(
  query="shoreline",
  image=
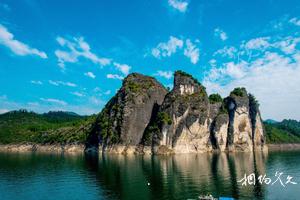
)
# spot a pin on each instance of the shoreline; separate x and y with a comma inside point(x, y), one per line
point(284, 147)
point(20, 148)
point(80, 148)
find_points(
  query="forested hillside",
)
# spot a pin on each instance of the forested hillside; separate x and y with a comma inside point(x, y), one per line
point(61, 127)
point(287, 131)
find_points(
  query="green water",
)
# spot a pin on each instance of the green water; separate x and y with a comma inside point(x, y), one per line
point(48, 176)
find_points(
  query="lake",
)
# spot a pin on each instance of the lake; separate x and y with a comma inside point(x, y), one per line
point(25, 176)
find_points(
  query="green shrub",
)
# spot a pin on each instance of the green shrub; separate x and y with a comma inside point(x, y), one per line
point(215, 98)
point(239, 91)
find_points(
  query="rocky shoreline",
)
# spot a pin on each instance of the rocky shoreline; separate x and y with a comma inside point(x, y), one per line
point(70, 148)
point(79, 149)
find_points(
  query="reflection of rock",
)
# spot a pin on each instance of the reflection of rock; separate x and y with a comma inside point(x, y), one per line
point(178, 176)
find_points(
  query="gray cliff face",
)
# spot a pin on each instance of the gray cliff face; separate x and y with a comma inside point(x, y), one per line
point(185, 128)
point(121, 124)
point(143, 117)
point(245, 129)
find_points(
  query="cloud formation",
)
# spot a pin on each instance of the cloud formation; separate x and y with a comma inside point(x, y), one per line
point(78, 94)
point(17, 47)
point(220, 34)
point(167, 49)
point(165, 74)
point(124, 68)
point(179, 5)
point(90, 74)
point(54, 101)
point(76, 48)
point(36, 82)
point(191, 51)
point(114, 76)
point(272, 75)
point(58, 83)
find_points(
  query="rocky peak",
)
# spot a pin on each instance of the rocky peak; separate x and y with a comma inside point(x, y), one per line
point(185, 84)
point(122, 122)
point(135, 83)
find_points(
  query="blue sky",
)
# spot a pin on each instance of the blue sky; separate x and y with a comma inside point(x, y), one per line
point(58, 55)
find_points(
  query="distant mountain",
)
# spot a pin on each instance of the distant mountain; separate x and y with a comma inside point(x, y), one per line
point(270, 121)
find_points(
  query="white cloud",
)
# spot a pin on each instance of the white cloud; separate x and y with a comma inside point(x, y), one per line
point(227, 51)
point(191, 51)
point(114, 76)
point(295, 21)
point(165, 49)
point(36, 82)
point(18, 47)
point(287, 45)
point(165, 74)
point(54, 83)
point(179, 5)
point(272, 76)
point(58, 83)
point(3, 110)
point(108, 92)
point(258, 43)
point(220, 34)
point(75, 49)
point(77, 94)
point(213, 62)
point(122, 67)
point(90, 74)
point(54, 101)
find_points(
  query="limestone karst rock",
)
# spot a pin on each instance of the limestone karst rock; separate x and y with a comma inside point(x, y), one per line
point(120, 125)
point(245, 130)
point(184, 126)
point(143, 117)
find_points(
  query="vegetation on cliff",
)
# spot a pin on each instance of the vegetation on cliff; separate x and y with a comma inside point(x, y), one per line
point(239, 91)
point(215, 98)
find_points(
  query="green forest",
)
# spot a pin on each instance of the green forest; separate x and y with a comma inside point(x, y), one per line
point(286, 131)
point(56, 127)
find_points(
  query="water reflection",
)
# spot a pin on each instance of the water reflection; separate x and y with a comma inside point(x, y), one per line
point(94, 177)
point(179, 176)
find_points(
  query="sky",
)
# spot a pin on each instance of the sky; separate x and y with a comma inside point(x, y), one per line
point(58, 55)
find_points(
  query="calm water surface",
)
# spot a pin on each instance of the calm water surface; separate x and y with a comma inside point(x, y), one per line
point(51, 176)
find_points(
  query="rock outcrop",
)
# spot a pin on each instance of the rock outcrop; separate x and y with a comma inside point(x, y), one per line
point(245, 130)
point(120, 126)
point(144, 118)
point(185, 124)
